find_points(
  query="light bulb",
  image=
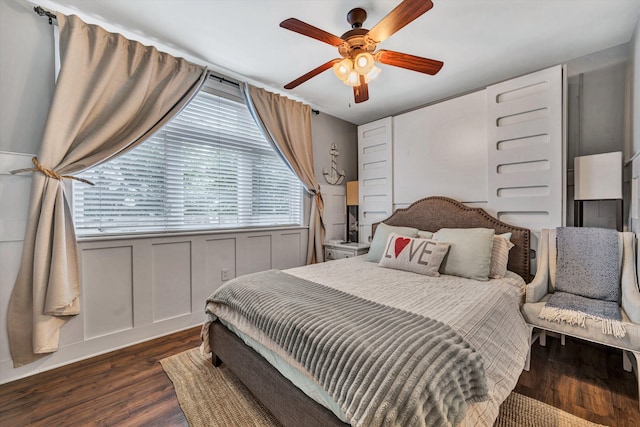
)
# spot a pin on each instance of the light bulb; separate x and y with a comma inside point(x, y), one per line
point(353, 79)
point(341, 69)
point(372, 74)
point(364, 62)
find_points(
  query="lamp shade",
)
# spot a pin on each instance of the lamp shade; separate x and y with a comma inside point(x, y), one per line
point(598, 177)
point(352, 193)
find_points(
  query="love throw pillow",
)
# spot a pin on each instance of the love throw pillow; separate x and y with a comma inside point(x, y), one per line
point(422, 256)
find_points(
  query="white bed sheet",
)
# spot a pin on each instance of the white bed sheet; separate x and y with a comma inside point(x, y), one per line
point(486, 314)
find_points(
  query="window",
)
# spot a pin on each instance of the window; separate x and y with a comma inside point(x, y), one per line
point(208, 168)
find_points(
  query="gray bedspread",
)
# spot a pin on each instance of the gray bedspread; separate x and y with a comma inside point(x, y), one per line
point(382, 365)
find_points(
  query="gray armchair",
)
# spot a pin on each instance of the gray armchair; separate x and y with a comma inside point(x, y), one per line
point(543, 284)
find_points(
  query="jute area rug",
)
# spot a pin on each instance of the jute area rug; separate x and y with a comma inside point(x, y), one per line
point(214, 397)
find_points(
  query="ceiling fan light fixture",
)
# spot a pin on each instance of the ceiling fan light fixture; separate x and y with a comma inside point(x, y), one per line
point(364, 63)
point(358, 47)
point(353, 79)
point(341, 69)
point(371, 74)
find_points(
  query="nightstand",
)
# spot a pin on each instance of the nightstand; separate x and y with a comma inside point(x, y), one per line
point(344, 250)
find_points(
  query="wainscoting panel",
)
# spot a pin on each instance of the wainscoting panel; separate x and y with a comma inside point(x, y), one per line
point(290, 245)
point(138, 288)
point(255, 253)
point(9, 264)
point(220, 262)
point(14, 193)
point(171, 280)
point(107, 291)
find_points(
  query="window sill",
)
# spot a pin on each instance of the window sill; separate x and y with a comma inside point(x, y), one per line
point(178, 233)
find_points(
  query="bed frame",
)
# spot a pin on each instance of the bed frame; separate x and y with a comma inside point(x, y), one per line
point(284, 400)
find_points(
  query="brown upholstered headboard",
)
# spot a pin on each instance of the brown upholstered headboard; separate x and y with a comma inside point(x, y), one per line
point(434, 213)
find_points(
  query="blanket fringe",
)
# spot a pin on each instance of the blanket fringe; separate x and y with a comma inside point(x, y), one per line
point(572, 317)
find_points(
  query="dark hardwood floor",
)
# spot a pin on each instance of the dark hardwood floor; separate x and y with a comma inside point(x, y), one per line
point(584, 379)
point(123, 388)
point(129, 388)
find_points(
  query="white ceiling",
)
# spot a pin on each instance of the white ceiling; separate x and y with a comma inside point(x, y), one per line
point(480, 41)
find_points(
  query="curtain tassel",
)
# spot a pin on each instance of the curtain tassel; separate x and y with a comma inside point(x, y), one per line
point(48, 172)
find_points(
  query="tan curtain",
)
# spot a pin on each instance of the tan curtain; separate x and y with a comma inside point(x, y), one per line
point(287, 125)
point(111, 94)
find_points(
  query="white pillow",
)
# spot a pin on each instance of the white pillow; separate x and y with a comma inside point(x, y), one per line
point(423, 234)
point(422, 256)
point(470, 253)
point(500, 255)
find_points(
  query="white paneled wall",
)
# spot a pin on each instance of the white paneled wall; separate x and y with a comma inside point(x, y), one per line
point(375, 174)
point(526, 147)
point(441, 150)
point(14, 202)
point(335, 211)
point(134, 289)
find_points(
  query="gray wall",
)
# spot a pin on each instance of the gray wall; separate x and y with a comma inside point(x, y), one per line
point(634, 50)
point(635, 84)
point(598, 121)
point(26, 76)
point(326, 131)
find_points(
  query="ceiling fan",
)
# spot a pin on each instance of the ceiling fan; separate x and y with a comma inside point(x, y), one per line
point(357, 47)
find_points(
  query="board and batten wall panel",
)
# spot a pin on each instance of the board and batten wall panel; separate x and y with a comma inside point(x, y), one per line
point(14, 197)
point(289, 251)
point(375, 174)
point(135, 289)
point(441, 150)
point(107, 294)
point(335, 211)
point(172, 285)
point(526, 147)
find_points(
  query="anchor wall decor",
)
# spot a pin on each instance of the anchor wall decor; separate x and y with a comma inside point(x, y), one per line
point(334, 177)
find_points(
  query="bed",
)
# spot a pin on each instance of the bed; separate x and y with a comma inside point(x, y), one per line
point(483, 316)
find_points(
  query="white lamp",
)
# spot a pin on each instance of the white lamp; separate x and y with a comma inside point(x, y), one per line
point(598, 177)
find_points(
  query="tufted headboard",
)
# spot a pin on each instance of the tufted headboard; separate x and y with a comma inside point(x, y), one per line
point(434, 213)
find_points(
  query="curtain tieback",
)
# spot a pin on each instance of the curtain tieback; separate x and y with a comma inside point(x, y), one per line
point(48, 172)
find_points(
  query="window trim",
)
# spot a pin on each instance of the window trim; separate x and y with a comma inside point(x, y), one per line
point(177, 233)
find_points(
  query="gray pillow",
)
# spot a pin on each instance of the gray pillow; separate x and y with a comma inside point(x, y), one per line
point(379, 241)
point(469, 252)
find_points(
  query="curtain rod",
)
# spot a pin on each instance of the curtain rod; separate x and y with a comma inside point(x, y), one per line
point(43, 12)
point(232, 83)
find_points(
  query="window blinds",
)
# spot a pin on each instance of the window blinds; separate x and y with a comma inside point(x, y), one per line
point(210, 167)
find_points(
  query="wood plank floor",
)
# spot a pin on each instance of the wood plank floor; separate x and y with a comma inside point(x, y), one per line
point(129, 388)
point(584, 379)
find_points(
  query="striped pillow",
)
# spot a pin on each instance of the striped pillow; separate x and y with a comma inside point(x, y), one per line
point(500, 255)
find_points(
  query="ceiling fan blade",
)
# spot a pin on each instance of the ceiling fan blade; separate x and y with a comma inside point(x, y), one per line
point(410, 62)
point(305, 29)
point(312, 73)
point(403, 14)
point(361, 93)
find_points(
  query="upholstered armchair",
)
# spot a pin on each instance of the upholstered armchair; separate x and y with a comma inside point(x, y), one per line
point(544, 284)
